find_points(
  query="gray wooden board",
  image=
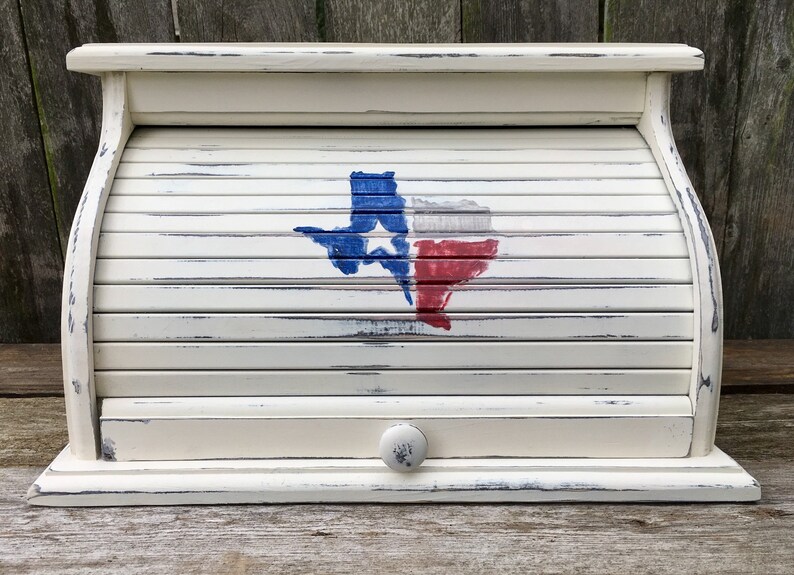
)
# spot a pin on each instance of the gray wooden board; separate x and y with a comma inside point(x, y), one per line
point(758, 251)
point(732, 125)
point(247, 20)
point(530, 20)
point(703, 105)
point(381, 21)
point(30, 257)
point(560, 538)
point(70, 102)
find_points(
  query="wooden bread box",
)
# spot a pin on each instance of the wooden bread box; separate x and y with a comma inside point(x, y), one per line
point(394, 273)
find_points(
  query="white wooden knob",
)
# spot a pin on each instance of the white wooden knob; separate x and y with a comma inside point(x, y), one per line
point(403, 447)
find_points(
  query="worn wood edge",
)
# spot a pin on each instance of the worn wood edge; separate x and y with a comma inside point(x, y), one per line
point(77, 300)
point(714, 477)
point(598, 57)
point(655, 127)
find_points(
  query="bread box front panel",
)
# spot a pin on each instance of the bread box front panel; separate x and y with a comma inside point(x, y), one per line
point(334, 277)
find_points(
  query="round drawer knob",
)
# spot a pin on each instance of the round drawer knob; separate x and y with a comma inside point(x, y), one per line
point(403, 447)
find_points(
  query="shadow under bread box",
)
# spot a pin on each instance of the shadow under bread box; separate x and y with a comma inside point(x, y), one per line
point(305, 273)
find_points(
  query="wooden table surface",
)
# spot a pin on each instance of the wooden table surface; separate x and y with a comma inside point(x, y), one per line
point(756, 427)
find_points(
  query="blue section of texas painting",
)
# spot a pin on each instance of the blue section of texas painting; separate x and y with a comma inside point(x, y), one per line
point(374, 200)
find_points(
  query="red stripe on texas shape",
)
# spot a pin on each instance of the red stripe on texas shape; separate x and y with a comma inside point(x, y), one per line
point(442, 264)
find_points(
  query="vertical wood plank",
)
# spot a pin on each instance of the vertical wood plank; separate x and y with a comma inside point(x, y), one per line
point(247, 20)
point(383, 21)
point(703, 104)
point(30, 257)
point(731, 125)
point(530, 21)
point(758, 249)
point(70, 103)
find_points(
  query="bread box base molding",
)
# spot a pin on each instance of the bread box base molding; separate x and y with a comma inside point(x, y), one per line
point(72, 482)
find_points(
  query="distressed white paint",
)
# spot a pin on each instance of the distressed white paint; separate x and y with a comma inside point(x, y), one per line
point(380, 355)
point(467, 171)
point(341, 427)
point(352, 437)
point(707, 366)
point(317, 271)
point(143, 245)
point(380, 326)
point(580, 152)
point(389, 298)
point(330, 186)
point(378, 139)
point(592, 333)
point(76, 320)
point(712, 478)
point(340, 98)
point(334, 57)
point(285, 223)
point(219, 383)
point(228, 204)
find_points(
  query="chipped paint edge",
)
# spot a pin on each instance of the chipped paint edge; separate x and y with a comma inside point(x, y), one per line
point(76, 320)
point(711, 478)
point(289, 57)
point(655, 126)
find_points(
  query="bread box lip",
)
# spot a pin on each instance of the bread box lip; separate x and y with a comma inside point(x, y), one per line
point(339, 57)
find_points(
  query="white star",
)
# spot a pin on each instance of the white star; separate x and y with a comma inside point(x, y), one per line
point(379, 238)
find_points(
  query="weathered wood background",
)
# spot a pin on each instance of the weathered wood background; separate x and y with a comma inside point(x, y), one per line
point(734, 123)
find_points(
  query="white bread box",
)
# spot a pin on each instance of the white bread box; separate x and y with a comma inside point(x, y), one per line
point(322, 272)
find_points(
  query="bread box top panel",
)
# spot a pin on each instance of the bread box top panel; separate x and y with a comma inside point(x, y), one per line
point(330, 57)
point(384, 85)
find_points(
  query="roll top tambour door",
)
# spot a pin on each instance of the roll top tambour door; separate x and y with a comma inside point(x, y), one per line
point(307, 287)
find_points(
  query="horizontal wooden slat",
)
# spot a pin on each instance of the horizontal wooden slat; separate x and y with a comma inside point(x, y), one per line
point(468, 171)
point(170, 137)
point(380, 139)
point(378, 118)
point(317, 271)
point(328, 327)
point(284, 223)
point(456, 406)
point(380, 355)
point(273, 186)
point(228, 204)
point(388, 298)
point(551, 426)
point(547, 154)
point(295, 245)
point(392, 382)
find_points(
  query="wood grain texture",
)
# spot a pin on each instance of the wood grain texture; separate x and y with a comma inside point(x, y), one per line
point(247, 21)
point(382, 21)
point(530, 21)
point(30, 257)
point(70, 103)
point(703, 105)
point(752, 539)
point(32, 369)
point(758, 366)
point(758, 248)
point(731, 124)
